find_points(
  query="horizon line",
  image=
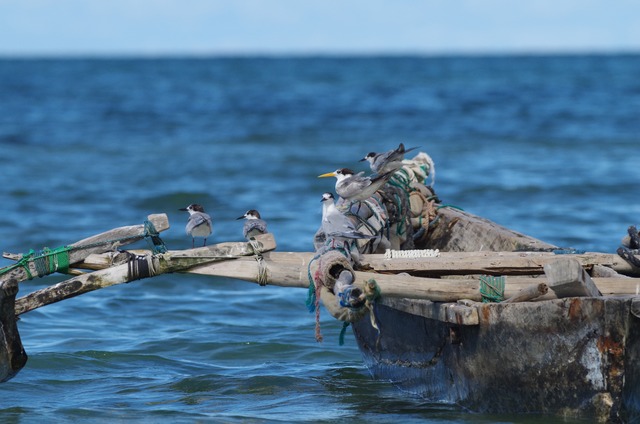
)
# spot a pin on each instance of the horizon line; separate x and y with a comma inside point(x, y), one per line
point(316, 54)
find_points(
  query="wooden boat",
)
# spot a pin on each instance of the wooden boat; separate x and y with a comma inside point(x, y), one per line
point(575, 356)
point(565, 340)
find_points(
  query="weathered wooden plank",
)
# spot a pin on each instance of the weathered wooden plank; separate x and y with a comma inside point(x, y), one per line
point(290, 269)
point(137, 267)
point(225, 250)
point(452, 313)
point(491, 263)
point(567, 278)
point(103, 242)
point(529, 293)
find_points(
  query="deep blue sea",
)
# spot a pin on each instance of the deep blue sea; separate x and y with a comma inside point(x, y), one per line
point(546, 145)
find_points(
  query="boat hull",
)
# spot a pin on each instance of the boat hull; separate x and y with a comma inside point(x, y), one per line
point(571, 356)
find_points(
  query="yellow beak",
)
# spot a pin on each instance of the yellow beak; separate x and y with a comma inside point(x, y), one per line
point(328, 174)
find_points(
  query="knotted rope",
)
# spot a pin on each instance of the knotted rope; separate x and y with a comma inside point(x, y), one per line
point(322, 277)
point(139, 267)
point(150, 233)
point(492, 288)
point(631, 247)
point(48, 261)
point(263, 273)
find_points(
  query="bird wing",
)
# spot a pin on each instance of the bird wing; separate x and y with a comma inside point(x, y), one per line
point(353, 186)
point(254, 226)
point(196, 220)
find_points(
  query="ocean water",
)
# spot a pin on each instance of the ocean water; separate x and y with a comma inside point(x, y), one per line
point(546, 145)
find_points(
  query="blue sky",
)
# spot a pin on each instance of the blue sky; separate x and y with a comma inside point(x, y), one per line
point(203, 27)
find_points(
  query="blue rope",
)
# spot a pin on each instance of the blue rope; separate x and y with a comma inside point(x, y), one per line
point(311, 294)
point(345, 325)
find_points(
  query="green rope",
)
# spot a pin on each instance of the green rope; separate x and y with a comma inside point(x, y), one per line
point(345, 325)
point(57, 260)
point(372, 291)
point(23, 262)
point(492, 288)
point(47, 262)
point(41, 263)
point(150, 233)
point(402, 180)
point(449, 206)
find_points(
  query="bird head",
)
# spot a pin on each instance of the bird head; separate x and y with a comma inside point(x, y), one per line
point(250, 214)
point(370, 156)
point(327, 197)
point(194, 207)
point(338, 173)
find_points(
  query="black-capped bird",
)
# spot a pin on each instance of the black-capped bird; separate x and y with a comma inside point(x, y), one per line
point(354, 187)
point(336, 224)
point(199, 223)
point(254, 224)
point(381, 163)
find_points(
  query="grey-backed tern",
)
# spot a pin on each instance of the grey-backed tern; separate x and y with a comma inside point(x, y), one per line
point(199, 223)
point(354, 187)
point(381, 163)
point(337, 225)
point(254, 225)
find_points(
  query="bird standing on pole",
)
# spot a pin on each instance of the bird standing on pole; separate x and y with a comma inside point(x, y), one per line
point(199, 224)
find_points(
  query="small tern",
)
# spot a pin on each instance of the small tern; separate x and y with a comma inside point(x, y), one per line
point(199, 224)
point(337, 225)
point(354, 187)
point(381, 163)
point(254, 225)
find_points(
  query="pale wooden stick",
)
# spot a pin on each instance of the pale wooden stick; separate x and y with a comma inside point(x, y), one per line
point(122, 273)
point(491, 263)
point(529, 293)
point(100, 243)
point(290, 269)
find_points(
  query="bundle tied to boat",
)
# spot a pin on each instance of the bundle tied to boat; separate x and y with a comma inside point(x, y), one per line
point(393, 218)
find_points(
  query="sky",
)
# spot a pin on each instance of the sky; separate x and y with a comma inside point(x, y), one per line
point(244, 27)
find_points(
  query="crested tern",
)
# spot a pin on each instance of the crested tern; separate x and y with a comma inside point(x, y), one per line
point(354, 187)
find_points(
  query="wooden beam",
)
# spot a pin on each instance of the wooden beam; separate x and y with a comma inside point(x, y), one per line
point(529, 293)
point(567, 278)
point(100, 243)
point(452, 313)
point(491, 263)
point(290, 269)
point(137, 267)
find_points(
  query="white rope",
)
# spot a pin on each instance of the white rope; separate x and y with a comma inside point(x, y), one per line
point(409, 254)
point(263, 274)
